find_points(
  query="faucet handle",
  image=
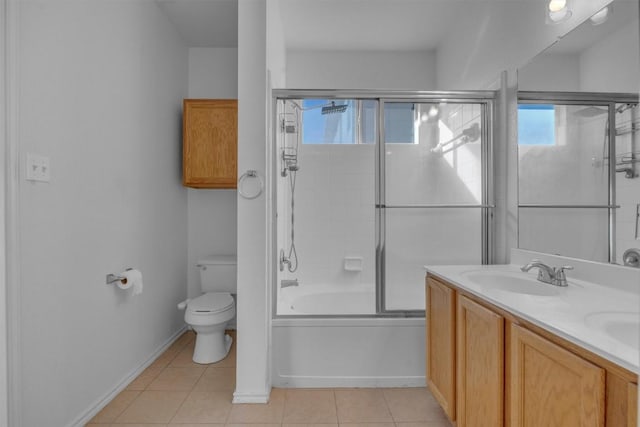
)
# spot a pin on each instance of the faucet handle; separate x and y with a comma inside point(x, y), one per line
point(561, 277)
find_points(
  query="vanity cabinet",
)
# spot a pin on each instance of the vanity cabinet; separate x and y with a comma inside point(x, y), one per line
point(480, 365)
point(210, 143)
point(441, 344)
point(549, 385)
point(488, 367)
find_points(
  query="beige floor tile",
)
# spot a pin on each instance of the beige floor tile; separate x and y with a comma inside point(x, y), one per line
point(441, 423)
point(252, 425)
point(361, 405)
point(412, 404)
point(367, 425)
point(204, 407)
point(217, 379)
point(249, 413)
point(153, 407)
point(145, 378)
point(196, 425)
point(177, 379)
point(116, 407)
point(309, 425)
point(138, 425)
point(309, 406)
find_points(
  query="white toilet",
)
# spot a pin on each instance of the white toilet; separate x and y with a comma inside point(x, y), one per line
point(209, 313)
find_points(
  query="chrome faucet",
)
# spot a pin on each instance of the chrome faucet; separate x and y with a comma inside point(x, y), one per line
point(546, 274)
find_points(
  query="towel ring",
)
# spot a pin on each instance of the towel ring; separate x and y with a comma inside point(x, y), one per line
point(250, 174)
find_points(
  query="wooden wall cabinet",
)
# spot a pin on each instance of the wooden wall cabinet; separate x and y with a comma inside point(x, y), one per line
point(441, 344)
point(551, 386)
point(480, 366)
point(210, 143)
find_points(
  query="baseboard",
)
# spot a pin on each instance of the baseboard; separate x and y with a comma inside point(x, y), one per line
point(101, 403)
point(286, 381)
point(239, 397)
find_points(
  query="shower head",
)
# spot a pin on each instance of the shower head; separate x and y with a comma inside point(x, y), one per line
point(333, 108)
point(591, 111)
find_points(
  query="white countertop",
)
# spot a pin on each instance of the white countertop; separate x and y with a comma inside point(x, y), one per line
point(571, 312)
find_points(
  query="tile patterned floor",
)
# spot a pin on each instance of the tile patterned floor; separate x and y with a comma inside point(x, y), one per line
point(174, 392)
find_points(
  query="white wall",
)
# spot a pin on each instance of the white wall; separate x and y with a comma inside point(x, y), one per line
point(5, 89)
point(551, 72)
point(101, 86)
point(361, 70)
point(212, 223)
point(252, 374)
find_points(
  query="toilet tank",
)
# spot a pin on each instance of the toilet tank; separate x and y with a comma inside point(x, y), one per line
point(218, 273)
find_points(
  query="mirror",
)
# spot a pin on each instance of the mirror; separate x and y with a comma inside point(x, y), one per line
point(579, 177)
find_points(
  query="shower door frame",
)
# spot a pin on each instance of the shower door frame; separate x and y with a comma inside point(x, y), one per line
point(486, 98)
point(602, 99)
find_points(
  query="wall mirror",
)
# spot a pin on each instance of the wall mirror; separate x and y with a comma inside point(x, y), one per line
point(579, 141)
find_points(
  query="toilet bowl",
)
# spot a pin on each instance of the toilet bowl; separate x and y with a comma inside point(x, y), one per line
point(208, 315)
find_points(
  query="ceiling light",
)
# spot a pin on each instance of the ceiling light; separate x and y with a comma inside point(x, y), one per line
point(601, 16)
point(557, 5)
point(558, 11)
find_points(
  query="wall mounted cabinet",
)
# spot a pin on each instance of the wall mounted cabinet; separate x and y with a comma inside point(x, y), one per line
point(210, 143)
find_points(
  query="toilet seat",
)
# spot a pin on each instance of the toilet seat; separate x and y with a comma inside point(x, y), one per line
point(211, 303)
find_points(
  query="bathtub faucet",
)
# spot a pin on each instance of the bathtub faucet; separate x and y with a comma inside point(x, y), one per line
point(286, 283)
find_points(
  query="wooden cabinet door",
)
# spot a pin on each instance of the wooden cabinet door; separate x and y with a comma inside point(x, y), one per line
point(441, 344)
point(480, 366)
point(210, 143)
point(632, 405)
point(551, 387)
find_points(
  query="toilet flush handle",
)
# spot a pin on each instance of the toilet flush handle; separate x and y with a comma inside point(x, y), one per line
point(183, 304)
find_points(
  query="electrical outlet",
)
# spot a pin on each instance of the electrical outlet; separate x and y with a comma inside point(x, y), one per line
point(38, 168)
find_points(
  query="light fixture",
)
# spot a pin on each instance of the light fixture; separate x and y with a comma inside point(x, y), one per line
point(433, 111)
point(601, 16)
point(558, 11)
point(557, 5)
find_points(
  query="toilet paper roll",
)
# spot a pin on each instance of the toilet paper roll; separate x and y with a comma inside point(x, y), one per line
point(134, 279)
point(124, 284)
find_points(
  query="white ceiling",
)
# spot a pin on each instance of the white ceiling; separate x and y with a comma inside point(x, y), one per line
point(365, 25)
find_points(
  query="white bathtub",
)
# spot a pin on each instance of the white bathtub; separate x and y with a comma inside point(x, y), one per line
point(327, 300)
point(343, 352)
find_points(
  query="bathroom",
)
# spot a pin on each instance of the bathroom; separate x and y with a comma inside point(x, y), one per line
point(98, 89)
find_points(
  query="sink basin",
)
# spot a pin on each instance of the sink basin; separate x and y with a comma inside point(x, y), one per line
point(511, 282)
point(623, 327)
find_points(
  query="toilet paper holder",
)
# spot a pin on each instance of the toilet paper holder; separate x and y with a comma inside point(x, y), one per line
point(112, 278)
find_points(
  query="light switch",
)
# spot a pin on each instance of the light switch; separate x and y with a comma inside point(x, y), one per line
point(38, 168)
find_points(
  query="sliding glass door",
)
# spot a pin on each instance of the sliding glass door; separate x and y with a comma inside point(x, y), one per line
point(433, 200)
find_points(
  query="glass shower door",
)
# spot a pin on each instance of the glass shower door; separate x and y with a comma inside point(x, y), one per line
point(433, 200)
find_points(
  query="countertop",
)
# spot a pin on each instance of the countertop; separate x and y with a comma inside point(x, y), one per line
point(572, 312)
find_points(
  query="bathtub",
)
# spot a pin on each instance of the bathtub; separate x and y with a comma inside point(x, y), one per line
point(329, 300)
point(316, 352)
